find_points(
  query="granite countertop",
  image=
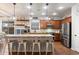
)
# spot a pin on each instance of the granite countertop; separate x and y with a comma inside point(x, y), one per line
point(25, 35)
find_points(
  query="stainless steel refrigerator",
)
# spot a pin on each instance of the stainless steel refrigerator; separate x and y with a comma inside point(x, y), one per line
point(66, 34)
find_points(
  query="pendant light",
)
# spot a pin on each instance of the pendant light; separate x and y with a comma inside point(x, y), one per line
point(14, 11)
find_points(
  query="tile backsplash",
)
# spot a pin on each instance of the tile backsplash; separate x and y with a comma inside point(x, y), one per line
point(45, 31)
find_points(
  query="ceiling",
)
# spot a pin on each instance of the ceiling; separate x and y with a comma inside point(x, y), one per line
point(7, 9)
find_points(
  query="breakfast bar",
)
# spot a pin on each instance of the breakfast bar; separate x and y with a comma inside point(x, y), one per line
point(30, 43)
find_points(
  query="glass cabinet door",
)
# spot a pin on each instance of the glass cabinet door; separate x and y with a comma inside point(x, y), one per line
point(8, 27)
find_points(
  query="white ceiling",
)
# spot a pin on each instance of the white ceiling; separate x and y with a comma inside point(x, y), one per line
point(7, 9)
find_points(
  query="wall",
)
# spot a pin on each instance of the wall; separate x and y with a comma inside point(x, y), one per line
point(67, 13)
point(75, 27)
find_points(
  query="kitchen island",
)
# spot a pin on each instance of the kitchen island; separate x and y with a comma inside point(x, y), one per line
point(34, 42)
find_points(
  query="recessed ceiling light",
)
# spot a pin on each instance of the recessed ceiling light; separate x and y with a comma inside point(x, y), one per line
point(60, 8)
point(46, 18)
point(45, 7)
point(43, 13)
point(54, 13)
point(29, 7)
point(32, 13)
point(14, 18)
point(30, 18)
point(49, 18)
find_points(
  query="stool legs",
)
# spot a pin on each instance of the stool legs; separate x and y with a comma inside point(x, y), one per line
point(24, 48)
point(18, 48)
point(47, 47)
point(53, 48)
point(33, 48)
point(10, 46)
point(39, 48)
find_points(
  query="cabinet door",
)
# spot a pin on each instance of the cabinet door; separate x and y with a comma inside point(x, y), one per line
point(66, 20)
point(43, 24)
point(56, 24)
point(57, 36)
point(11, 30)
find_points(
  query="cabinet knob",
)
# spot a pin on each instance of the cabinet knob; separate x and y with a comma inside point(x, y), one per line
point(75, 35)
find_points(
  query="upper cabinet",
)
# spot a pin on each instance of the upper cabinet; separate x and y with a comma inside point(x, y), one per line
point(43, 24)
point(66, 20)
point(56, 24)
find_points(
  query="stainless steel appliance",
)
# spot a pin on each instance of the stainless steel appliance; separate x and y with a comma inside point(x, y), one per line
point(66, 34)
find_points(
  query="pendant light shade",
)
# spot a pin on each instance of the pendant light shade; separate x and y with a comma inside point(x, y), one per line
point(14, 11)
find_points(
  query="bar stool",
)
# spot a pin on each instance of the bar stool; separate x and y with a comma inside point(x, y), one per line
point(43, 44)
point(52, 42)
point(29, 45)
point(19, 45)
point(52, 46)
point(34, 43)
point(25, 44)
point(10, 43)
point(39, 46)
point(47, 46)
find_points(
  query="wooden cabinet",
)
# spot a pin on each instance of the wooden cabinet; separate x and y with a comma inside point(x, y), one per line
point(56, 24)
point(43, 24)
point(57, 37)
point(66, 20)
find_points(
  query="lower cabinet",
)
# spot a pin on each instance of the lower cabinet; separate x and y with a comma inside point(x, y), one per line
point(57, 36)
